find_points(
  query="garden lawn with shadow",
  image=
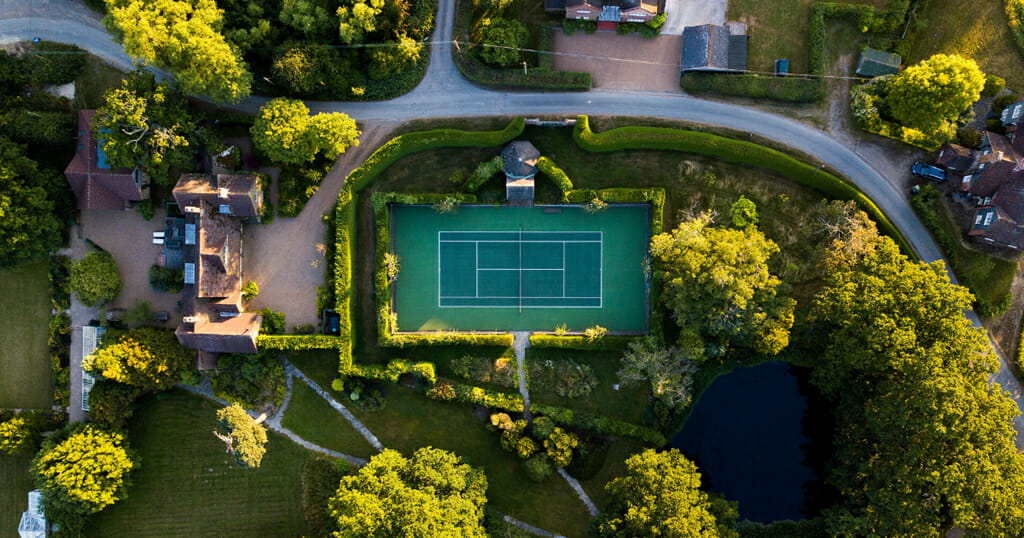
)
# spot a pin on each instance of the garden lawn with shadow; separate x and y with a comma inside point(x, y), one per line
point(25, 381)
point(188, 485)
point(15, 483)
point(313, 419)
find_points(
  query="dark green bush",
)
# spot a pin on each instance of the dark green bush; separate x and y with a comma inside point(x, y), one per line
point(168, 279)
point(968, 137)
point(805, 528)
point(250, 380)
point(995, 125)
point(993, 85)
point(54, 63)
point(556, 174)
point(395, 369)
point(539, 468)
point(566, 377)
point(1002, 102)
point(479, 396)
point(792, 89)
point(298, 343)
point(483, 172)
point(110, 403)
point(60, 278)
point(36, 127)
point(298, 183)
point(273, 322)
point(581, 342)
point(598, 424)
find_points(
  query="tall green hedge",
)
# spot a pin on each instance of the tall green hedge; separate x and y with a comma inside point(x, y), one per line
point(598, 423)
point(791, 89)
point(395, 369)
point(292, 342)
point(557, 175)
point(1015, 18)
point(736, 151)
point(617, 343)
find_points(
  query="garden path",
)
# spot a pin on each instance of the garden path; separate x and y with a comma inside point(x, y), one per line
point(521, 341)
point(80, 315)
point(291, 370)
point(575, 484)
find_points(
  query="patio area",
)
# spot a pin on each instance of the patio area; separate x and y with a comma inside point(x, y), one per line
point(129, 239)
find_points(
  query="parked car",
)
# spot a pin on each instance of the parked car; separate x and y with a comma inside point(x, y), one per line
point(933, 173)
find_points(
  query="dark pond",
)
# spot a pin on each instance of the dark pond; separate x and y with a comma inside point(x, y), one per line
point(755, 442)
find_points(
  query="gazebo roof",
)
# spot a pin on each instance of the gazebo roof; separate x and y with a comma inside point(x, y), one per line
point(520, 159)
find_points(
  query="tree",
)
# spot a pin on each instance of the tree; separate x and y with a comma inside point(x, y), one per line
point(146, 358)
point(717, 284)
point(286, 133)
point(924, 442)
point(932, 94)
point(843, 234)
point(306, 16)
point(430, 494)
point(501, 40)
point(94, 278)
point(250, 290)
point(559, 445)
point(660, 496)
point(82, 470)
point(28, 227)
point(744, 213)
point(182, 36)
point(247, 438)
point(144, 123)
point(669, 375)
point(110, 403)
point(359, 20)
point(394, 57)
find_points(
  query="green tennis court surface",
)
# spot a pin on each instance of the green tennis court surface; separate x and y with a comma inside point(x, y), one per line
point(505, 268)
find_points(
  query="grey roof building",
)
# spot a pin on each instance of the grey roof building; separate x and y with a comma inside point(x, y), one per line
point(520, 159)
point(874, 63)
point(710, 47)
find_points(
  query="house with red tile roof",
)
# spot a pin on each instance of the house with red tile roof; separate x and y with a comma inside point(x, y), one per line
point(96, 185)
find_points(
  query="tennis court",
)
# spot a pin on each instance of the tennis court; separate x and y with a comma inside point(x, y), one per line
point(520, 268)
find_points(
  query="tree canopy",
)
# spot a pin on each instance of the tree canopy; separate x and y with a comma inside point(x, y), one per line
point(286, 133)
point(924, 442)
point(94, 278)
point(182, 36)
point(931, 94)
point(83, 470)
point(717, 284)
point(144, 123)
point(660, 496)
point(669, 375)
point(146, 357)
point(28, 227)
point(248, 439)
point(505, 36)
point(430, 494)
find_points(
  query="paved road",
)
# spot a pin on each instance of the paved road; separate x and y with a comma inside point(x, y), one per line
point(444, 93)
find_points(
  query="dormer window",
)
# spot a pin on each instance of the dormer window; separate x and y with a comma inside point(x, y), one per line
point(224, 209)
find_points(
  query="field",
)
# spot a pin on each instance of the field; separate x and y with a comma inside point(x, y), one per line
point(15, 483)
point(984, 36)
point(188, 486)
point(24, 327)
point(779, 30)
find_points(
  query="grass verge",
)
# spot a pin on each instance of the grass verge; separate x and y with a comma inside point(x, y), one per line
point(15, 483)
point(188, 486)
point(24, 322)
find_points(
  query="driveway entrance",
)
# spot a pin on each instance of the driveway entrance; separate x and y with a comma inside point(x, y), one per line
point(622, 62)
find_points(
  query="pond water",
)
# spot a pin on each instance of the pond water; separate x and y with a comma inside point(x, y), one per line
point(754, 441)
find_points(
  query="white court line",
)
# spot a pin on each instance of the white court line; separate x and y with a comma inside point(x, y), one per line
point(439, 269)
point(600, 267)
point(476, 274)
point(563, 269)
point(522, 269)
point(511, 297)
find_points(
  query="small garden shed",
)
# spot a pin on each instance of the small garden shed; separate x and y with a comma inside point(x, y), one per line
point(874, 63)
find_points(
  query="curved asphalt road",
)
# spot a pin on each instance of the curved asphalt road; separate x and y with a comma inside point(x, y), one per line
point(444, 93)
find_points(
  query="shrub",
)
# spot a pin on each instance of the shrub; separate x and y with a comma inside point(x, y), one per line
point(483, 172)
point(299, 343)
point(1002, 102)
point(250, 290)
point(54, 63)
point(543, 427)
point(595, 333)
point(744, 213)
point(571, 26)
point(167, 279)
point(559, 445)
point(501, 371)
point(94, 279)
point(479, 396)
point(250, 380)
point(110, 403)
point(557, 175)
point(968, 137)
point(394, 370)
point(993, 85)
point(23, 433)
point(443, 390)
point(59, 276)
point(273, 322)
point(568, 378)
point(789, 89)
point(36, 127)
point(539, 468)
point(580, 342)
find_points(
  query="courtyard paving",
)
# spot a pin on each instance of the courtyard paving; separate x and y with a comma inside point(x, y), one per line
point(622, 62)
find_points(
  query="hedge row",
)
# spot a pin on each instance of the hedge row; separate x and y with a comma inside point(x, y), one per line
point(1015, 18)
point(616, 343)
point(292, 342)
point(864, 108)
point(737, 151)
point(791, 89)
point(557, 175)
point(344, 223)
point(817, 54)
point(599, 424)
point(486, 398)
point(449, 339)
point(394, 370)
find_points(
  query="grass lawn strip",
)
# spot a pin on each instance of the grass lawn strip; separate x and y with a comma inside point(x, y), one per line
point(313, 419)
point(24, 325)
point(15, 483)
point(188, 485)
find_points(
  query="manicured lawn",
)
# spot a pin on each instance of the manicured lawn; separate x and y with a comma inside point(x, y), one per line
point(983, 35)
point(411, 421)
point(15, 483)
point(316, 421)
point(625, 404)
point(614, 465)
point(188, 486)
point(779, 30)
point(24, 327)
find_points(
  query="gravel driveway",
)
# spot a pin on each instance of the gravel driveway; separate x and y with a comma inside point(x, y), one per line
point(683, 13)
point(622, 62)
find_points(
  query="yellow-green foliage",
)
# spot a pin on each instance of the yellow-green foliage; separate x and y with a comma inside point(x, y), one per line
point(557, 175)
point(559, 446)
point(17, 436)
point(145, 357)
point(87, 470)
point(248, 439)
point(930, 95)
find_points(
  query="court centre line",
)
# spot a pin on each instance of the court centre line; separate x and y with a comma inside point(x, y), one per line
point(563, 269)
point(439, 269)
point(476, 287)
point(600, 266)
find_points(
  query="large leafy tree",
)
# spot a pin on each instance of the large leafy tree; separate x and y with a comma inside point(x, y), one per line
point(660, 496)
point(719, 289)
point(146, 357)
point(430, 494)
point(930, 95)
point(395, 57)
point(925, 443)
point(286, 133)
point(80, 471)
point(501, 40)
point(94, 278)
point(309, 17)
point(144, 123)
point(182, 36)
point(248, 437)
point(28, 227)
point(359, 19)
point(669, 375)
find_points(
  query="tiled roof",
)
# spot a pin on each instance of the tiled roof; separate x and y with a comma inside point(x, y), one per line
point(212, 333)
point(239, 192)
point(956, 158)
point(95, 187)
point(705, 47)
